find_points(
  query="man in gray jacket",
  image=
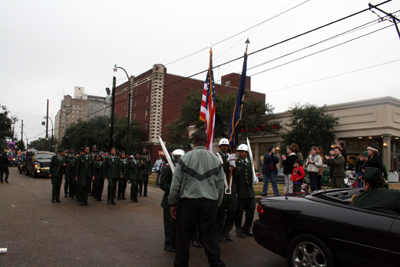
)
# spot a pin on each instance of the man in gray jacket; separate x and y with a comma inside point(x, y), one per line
point(197, 190)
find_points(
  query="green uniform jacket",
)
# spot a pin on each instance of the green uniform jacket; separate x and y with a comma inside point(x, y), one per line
point(198, 174)
point(338, 169)
point(380, 199)
point(111, 167)
point(98, 170)
point(165, 184)
point(123, 168)
point(134, 168)
point(147, 163)
point(71, 168)
point(84, 166)
point(68, 170)
point(243, 175)
point(56, 166)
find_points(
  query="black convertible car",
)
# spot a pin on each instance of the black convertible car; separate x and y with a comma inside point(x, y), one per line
point(324, 229)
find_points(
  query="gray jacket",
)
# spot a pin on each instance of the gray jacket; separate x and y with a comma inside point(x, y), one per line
point(198, 174)
point(314, 167)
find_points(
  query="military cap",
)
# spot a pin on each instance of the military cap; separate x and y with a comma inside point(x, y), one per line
point(61, 149)
point(136, 152)
point(188, 146)
point(372, 173)
point(99, 155)
point(85, 146)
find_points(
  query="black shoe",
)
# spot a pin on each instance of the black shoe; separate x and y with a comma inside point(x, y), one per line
point(108, 202)
point(58, 201)
point(123, 198)
point(197, 244)
point(221, 238)
point(66, 195)
point(86, 204)
point(136, 200)
point(249, 233)
point(140, 195)
point(6, 182)
point(145, 195)
point(228, 237)
point(169, 248)
point(240, 233)
point(99, 199)
point(53, 201)
point(119, 198)
point(112, 202)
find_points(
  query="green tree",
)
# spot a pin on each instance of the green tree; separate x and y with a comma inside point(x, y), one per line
point(97, 132)
point(6, 123)
point(255, 115)
point(38, 144)
point(309, 126)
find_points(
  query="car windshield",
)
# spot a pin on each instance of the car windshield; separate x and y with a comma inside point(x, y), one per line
point(44, 155)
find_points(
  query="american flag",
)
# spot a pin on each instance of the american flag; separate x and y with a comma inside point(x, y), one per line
point(207, 109)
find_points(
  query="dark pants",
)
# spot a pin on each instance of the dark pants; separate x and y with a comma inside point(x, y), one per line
point(72, 187)
point(66, 184)
point(112, 187)
point(98, 186)
point(89, 185)
point(143, 185)
point(4, 170)
point(56, 182)
point(226, 214)
point(121, 188)
point(337, 182)
point(247, 205)
point(134, 190)
point(296, 188)
point(313, 180)
point(84, 183)
point(169, 229)
point(158, 177)
point(319, 182)
point(139, 185)
point(204, 212)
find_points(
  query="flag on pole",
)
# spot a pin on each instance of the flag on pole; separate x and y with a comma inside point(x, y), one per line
point(207, 109)
point(234, 121)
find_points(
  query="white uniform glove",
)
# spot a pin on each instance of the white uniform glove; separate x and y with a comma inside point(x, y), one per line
point(255, 181)
point(232, 160)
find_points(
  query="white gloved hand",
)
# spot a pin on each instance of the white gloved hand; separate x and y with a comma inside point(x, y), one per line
point(232, 160)
point(255, 181)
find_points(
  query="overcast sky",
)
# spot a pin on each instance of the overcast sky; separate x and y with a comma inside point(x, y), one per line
point(48, 47)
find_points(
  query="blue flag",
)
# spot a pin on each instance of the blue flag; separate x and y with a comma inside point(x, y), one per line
point(237, 110)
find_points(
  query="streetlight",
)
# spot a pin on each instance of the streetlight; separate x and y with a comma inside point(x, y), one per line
point(129, 106)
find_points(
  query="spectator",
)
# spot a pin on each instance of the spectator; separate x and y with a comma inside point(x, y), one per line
point(157, 168)
point(373, 160)
point(336, 164)
point(314, 162)
point(360, 162)
point(270, 171)
point(321, 169)
point(343, 152)
point(297, 176)
point(296, 150)
point(288, 162)
point(4, 167)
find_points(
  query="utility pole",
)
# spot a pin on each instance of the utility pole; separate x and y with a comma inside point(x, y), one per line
point(22, 134)
point(112, 113)
point(47, 126)
point(394, 19)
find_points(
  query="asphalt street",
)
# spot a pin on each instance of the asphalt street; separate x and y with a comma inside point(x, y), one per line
point(37, 232)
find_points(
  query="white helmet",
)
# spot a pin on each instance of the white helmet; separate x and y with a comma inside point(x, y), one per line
point(243, 147)
point(223, 141)
point(177, 153)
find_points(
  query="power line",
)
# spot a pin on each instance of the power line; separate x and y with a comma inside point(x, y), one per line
point(258, 24)
point(333, 76)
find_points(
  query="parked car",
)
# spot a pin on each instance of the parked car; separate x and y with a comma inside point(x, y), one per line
point(38, 163)
point(324, 229)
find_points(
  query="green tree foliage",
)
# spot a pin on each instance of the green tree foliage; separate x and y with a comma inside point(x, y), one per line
point(6, 123)
point(310, 126)
point(39, 144)
point(255, 115)
point(97, 132)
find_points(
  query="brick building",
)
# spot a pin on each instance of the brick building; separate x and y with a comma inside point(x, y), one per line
point(157, 97)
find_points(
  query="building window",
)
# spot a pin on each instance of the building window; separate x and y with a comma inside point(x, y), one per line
point(147, 98)
point(228, 83)
point(148, 83)
point(135, 90)
point(134, 115)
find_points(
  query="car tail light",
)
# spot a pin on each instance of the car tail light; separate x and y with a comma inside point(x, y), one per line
point(260, 210)
point(35, 166)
